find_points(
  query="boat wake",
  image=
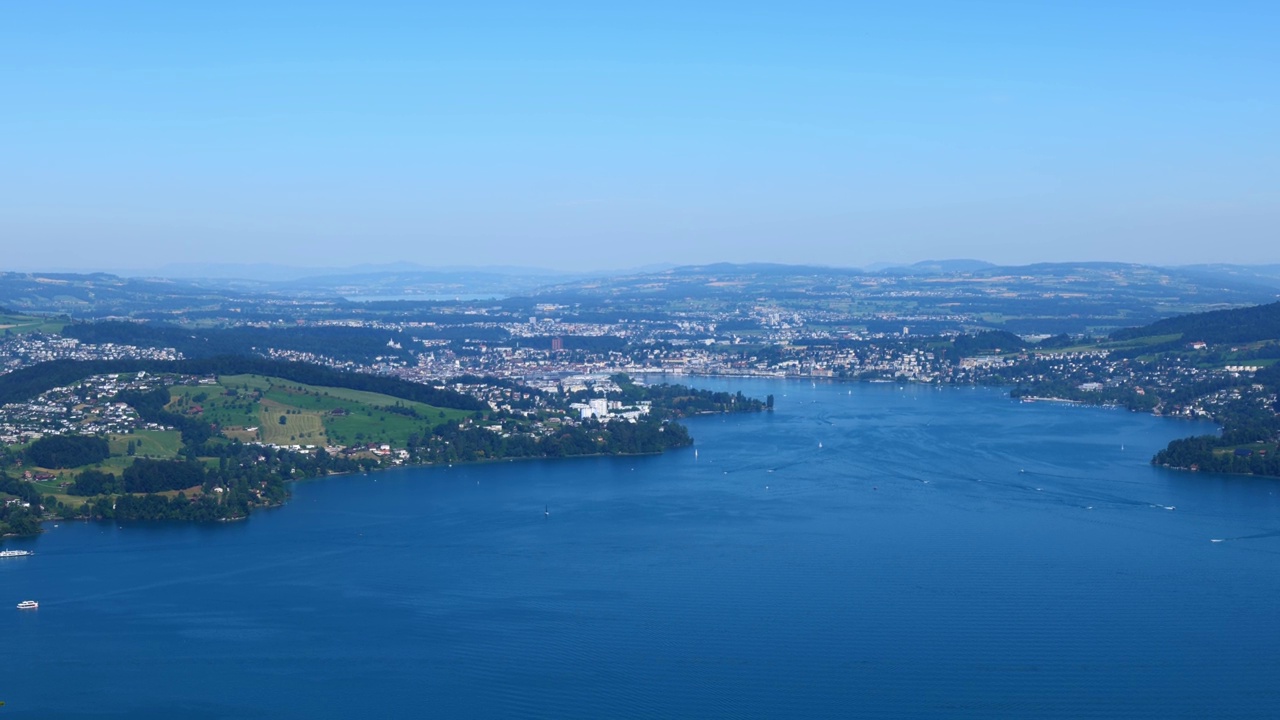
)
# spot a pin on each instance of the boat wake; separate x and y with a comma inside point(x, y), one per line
point(1255, 536)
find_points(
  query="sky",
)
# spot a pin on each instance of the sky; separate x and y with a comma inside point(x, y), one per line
point(588, 135)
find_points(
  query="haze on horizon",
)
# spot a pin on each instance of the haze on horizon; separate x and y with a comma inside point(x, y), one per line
point(581, 136)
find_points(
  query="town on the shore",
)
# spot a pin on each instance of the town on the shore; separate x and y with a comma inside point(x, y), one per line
point(181, 406)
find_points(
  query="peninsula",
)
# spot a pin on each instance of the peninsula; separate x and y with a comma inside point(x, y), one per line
point(206, 440)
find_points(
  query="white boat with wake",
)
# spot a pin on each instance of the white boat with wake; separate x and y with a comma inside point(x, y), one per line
point(28, 605)
point(15, 553)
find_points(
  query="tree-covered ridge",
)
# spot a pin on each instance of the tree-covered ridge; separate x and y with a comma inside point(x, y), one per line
point(1239, 325)
point(29, 382)
point(348, 344)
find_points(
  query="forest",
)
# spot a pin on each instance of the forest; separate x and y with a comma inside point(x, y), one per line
point(676, 401)
point(244, 477)
point(1239, 325)
point(346, 344)
point(15, 519)
point(449, 443)
point(24, 384)
point(1210, 453)
point(67, 451)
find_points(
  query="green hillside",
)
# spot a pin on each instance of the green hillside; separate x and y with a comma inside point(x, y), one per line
point(1238, 325)
point(12, 323)
point(30, 381)
point(273, 410)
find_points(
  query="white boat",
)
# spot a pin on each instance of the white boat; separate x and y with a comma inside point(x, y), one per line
point(28, 605)
point(14, 553)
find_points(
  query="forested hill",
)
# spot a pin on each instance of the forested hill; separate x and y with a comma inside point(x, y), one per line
point(1239, 325)
point(353, 344)
point(29, 382)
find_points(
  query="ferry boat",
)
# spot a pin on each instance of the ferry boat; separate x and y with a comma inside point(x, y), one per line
point(14, 553)
point(28, 605)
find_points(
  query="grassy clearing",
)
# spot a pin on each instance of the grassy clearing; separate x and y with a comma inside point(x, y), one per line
point(312, 415)
point(1142, 341)
point(376, 427)
point(308, 397)
point(244, 435)
point(245, 382)
point(20, 324)
point(1267, 448)
point(216, 405)
point(150, 443)
point(282, 425)
point(52, 487)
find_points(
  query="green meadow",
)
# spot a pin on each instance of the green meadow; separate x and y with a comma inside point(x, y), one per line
point(253, 407)
point(18, 324)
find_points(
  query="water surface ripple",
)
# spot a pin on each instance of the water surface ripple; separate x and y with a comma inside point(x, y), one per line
point(868, 551)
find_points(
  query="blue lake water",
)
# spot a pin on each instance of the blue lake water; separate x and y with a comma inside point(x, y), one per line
point(864, 551)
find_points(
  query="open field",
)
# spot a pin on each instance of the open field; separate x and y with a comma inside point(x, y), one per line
point(312, 415)
point(60, 495)
point(18, 324)
point(215, 404)
point(283, 425)
point(245, 382)
point(1256, 447)
point(308, 397)
point(1146, 341)
point(149, 443)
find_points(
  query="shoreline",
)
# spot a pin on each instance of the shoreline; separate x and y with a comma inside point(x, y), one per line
point(1004, 389)
point(908, 381)
point(407, 466)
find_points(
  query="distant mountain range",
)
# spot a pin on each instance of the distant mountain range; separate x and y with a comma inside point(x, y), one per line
point(407, 280)
point(1098, 294)
point(938, 267)
point(406, 276)
point(272, 273)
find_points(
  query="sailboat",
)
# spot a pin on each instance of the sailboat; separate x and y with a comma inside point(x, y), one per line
point(546, 511)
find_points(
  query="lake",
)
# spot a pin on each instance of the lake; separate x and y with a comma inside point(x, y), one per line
point(869, 551)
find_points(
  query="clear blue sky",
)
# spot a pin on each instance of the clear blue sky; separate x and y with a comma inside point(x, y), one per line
point(590, 135)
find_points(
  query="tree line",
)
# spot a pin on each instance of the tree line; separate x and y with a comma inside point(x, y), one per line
point(244, 477)
point(347, 344)
point(1238, 325)
point(449, 443)
point(24, 384)
point(67, 451)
